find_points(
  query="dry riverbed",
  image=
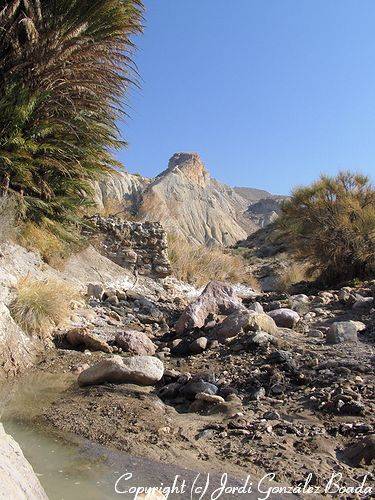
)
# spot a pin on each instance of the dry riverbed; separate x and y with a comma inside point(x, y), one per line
point(296, 407)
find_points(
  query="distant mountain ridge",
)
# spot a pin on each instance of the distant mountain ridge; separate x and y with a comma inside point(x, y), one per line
point(187, 201)
point(252, 195)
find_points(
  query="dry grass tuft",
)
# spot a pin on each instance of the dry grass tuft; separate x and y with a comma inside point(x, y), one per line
point(53, 243)
point(198, 264)
point(39, 238)
point(40, 306)
point(295, 273)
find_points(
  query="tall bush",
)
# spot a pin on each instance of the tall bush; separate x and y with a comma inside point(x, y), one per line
point(332, 224)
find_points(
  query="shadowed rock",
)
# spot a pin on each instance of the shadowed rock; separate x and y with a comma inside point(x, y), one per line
point(246, 321)
point(216, 298)
point(84, 337)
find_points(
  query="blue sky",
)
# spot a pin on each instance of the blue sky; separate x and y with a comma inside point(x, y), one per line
point(270, 92)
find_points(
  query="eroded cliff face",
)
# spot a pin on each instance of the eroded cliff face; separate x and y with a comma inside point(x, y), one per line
point(121, 187)
point(187, 201)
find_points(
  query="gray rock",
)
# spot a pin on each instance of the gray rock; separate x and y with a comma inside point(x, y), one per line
point(169, 391)
point(262, 339)
point(136, 343)
point(198, 345)
point(261, 322)
point(258, 394)
point(17, 479)
point(140, 370)
point(216, 298)
point(244, 320)
point(181, 348)
point(316, 334)
point(232, 325)
point(299, 303)
point(361, 451)
point(342, 331)
point(285, 318)
point(84, 337)
point(362, 302)
point(95, 290)
point(196, 386)
point(272, 415)
point(359, 325)
point(256, 307)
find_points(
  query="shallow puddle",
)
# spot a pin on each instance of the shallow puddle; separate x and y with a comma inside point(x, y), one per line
point(72, 468)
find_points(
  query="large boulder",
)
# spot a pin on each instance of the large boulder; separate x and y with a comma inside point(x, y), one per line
point(243, 320)
point(136, 343)
point(342, 331)
point(216, 298)
point(140, 370)
point(18, 350)
point(261, 323)
point(84, 337)
point(18, 481)
point(194, 387)
point(285, 318)
point(361, 451)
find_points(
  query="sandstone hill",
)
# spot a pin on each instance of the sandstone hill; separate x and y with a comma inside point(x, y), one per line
point(120, 187)
point(252, 195)
point(186, 200)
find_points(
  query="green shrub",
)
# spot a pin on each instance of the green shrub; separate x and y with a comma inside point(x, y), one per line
point(64, 66)
point(332, 224)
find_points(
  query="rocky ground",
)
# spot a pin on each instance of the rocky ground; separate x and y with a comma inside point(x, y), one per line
point(269, 383)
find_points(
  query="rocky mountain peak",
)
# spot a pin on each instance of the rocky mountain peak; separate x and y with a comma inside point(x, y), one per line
point(190, 165)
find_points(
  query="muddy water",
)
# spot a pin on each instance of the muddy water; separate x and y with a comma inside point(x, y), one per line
point(75, 469)
point(71, 468)
point(64, 470)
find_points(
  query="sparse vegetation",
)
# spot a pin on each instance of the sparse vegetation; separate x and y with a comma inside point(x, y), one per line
point(52, 242)
point(332, 224)
point(294, 273)
point(118, 208)
point(198, 264)
point(39, 306)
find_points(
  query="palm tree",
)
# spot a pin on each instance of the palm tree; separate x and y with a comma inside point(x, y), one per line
point(64, 67)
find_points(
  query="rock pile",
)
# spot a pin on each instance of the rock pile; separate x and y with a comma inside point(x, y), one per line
point(265, 376)
point(140, 246)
